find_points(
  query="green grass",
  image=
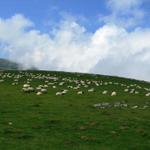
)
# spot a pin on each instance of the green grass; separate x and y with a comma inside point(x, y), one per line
point(70, 122)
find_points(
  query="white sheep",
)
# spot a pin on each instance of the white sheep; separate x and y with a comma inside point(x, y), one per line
point(105, 92)
point(59, 93)
point(113, 93)
point(148, 94)
point(26, 85)
point(91, 90)
point(126, 90)
point(134, 107)
point(80, 92)
point(39, 93)
point(44, 90)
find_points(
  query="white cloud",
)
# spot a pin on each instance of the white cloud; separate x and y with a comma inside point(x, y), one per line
point(127, 13)
point(110, 50)
point(123, 5)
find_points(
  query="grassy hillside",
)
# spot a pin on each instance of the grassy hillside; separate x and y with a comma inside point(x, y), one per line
point(92, 120)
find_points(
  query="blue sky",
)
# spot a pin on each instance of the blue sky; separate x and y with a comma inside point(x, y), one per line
point(41, 11)
point(65, 34)
point(47, 12)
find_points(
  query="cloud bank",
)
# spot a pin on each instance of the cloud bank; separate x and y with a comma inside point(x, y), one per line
point(111, 49)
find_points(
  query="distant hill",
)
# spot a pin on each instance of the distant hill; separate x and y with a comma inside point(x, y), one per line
point(8, 65)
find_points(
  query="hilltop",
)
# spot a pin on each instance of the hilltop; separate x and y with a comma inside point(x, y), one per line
point(6, 64)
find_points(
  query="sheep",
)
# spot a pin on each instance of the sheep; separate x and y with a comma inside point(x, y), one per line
point(31, 89)
point(61, 83)
point(64, 91)
point(44, 90)
point(148, 94)
point(26, 85)
point(105, 83)
point(80, 92)
point(86, 86)
point(46, 86)
point(120, 104)
point(69, 86)
point(1, 81)
point(126, 90)
point(10, 123)
point(38, 88)
point(39, 93)
point(134, 107)
point(117, 104)
point(104, 92)
point(25, 89)
point(97, 105)
point(136, 92)
point(132, 91)
point(77, 87)
point(113, 93)
point(15, 83)
point(96, 84)
point(28, 89)
point(59, 93)
point(102, 105)
point(145, 106)
point(91, 90)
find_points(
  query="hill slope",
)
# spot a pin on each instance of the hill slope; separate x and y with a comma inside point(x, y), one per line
point(8, 65)
point(63, 111)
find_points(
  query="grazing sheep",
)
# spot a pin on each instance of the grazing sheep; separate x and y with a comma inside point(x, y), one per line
point(136, 92)
point(77, 87)
point(134, 107)
point(46, 86)
point(31, 89)
point(97, 105)
point(148, 94)
point(61, 83)
point(86, 86)
point(102, 105)
point(64, 91)
point(15, 83)
point(105, 92)
point(132, 91)
point(145, 106)
point(39, 93)
point(91, 90)
point(113, 93)
point(26, 85)
point(44, 90)
point(1, 81)
point(80, 92)
point(69, 86)
point(28, 89)
point(25, 90)
point(126, 90)
point(96, 84)
point(59, 93)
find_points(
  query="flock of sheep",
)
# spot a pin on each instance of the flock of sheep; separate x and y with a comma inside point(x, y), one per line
point(40, 83)
point(105, 105)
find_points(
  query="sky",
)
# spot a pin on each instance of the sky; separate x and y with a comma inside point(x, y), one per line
point(109, 37)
